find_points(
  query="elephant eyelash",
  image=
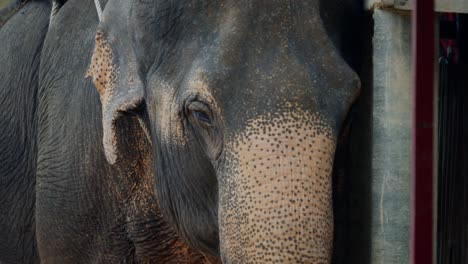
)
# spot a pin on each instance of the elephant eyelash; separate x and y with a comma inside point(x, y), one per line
point(200, 111)
point(202, 117)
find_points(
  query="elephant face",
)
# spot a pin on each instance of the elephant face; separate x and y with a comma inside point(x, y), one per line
point(242, 101)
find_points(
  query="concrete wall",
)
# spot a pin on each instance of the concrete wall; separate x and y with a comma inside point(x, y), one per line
point(381, 147)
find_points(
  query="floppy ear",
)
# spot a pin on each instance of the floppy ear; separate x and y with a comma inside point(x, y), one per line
point(120, 89)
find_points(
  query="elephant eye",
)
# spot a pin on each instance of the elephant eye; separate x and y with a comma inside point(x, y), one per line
point(205, 127)
point(200, 112)
point(202, 117)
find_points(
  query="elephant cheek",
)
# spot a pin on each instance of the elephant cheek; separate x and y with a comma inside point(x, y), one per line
point(275, 199)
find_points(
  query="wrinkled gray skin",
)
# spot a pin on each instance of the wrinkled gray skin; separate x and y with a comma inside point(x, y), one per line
point(88, 211)
point(21, 43)
point(72, 207)
point(222, 114)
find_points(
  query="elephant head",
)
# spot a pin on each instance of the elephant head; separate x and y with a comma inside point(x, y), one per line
point(243, 102)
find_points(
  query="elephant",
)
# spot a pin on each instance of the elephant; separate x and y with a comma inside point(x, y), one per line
point(242, 115)
point(59, 200)
point(181, 131)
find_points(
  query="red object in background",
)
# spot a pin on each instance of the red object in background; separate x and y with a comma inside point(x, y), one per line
point(448, 46)
point(423, 46)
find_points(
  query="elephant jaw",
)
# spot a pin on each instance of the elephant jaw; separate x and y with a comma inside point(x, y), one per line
point(275, 200)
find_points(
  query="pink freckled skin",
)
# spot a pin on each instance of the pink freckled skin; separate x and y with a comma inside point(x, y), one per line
point(281, 211)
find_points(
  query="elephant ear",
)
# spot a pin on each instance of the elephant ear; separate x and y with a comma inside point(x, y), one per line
point(120, 89)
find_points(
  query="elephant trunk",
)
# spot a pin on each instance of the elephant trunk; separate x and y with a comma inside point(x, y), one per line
point(275, 198)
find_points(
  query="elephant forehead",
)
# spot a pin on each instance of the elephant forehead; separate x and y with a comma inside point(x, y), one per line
point(280, 174)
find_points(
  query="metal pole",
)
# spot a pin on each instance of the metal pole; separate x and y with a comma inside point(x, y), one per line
point(421, 236)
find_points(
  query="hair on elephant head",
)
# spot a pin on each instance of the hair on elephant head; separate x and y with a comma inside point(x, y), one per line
point(243, 101)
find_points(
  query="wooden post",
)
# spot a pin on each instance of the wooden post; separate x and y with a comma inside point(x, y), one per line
point(454, 6)
point(422, 191)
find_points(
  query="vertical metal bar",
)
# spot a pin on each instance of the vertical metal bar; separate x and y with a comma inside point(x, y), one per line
point(423, 125)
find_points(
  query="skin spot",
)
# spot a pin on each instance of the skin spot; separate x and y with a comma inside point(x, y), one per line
point(268, 210)
point(102, 71)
